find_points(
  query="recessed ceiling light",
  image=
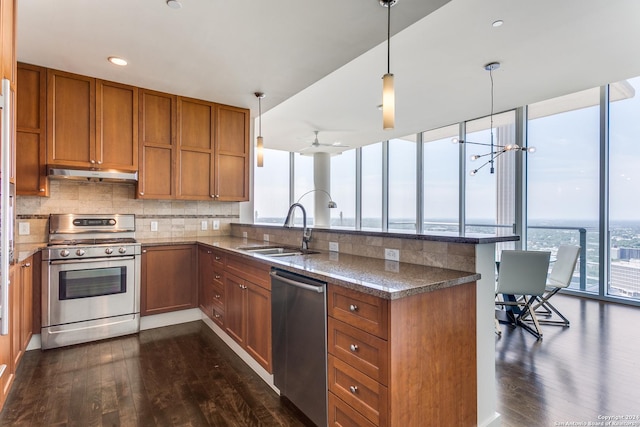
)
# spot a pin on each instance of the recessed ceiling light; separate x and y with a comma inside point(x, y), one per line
point(174, 4)
point(117, 61)
point(497, 23)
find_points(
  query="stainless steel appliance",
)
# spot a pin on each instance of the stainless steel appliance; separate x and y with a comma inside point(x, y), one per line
point(299, 331)
point(7, 215)
point(91, 279)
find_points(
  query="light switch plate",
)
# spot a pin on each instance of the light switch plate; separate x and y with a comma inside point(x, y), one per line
point(154, 225)
point(244, 234)
point(265, 237)
point(334, 247)
point(392, 254)
point(203, 225)
point(216, 224)
point(24, 229)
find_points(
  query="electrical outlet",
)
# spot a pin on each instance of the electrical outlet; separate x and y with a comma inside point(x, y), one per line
point(392, 254)
point(244, 234)
point(216, 224)
point(334, 247)
point(154, 225)
point(24, 229)
point(265, 237)
point(203, 225)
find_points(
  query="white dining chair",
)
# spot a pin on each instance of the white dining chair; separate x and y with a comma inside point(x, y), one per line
point(559, 278)
point(522, 278)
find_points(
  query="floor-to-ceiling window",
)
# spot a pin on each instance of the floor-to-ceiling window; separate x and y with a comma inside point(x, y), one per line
point(271, 188)
point(372, 187)
point(624, 187)
point(402, 185)
point(343, 189)
point(563, 179)
point(441, 184)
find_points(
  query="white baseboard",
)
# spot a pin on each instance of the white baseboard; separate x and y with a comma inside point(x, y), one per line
point(262, 373)
point(168, 319)
point(34, 342)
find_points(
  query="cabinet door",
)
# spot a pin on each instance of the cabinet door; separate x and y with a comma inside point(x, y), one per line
point(26, 319)
point(116, 126)
point(15, 315)
point(157, 145)
point(70, 119)
point(195, 158)
point(232, 154)
point(234, 310)
point(31, 172)
point(168, 279)
point(258, 333)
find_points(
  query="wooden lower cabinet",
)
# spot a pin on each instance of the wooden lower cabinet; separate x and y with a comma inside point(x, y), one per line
point(403, 362)
point(168, 279)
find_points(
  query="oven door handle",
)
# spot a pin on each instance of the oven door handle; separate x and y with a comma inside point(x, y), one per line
point(88, 260)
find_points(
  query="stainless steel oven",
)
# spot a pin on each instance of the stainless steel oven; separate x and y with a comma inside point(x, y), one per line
point(91, 279)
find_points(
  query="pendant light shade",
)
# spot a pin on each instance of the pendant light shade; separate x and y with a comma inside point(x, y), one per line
point(260, 140)
point(388, 102)
point(388, 91)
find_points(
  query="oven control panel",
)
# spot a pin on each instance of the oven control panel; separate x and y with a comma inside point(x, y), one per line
point(98, 251)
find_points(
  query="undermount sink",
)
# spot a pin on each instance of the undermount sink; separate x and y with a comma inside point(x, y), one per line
point(276, 251)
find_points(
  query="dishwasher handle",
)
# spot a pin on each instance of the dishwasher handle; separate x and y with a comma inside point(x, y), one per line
point(318, 289)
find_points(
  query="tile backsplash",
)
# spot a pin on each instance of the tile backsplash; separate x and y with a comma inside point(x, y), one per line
point(175, 218)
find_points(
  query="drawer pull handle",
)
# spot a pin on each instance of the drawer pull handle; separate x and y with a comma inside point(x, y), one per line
point(217, 316)
point(217, 276)
point(353, 389)
point(217, 258)
point(209, 252)
point(353, 307)
point(217, 296)
point(354, 347)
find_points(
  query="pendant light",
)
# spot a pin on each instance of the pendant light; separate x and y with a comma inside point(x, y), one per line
point(388, 92)
point(495, 150)
point(260, 140)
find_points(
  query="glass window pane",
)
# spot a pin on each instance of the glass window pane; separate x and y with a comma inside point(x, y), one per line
point(563, 178)
point(372, 187)
point(303, 183)
point(402, 184)
point(343, 189)
point(624, 181)
point(440, 180)
point(271, 188)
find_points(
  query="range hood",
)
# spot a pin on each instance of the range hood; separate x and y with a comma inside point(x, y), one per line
point(106, 175)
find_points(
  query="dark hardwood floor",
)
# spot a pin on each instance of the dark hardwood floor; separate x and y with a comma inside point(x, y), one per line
point(184, 375)
point(576, 374)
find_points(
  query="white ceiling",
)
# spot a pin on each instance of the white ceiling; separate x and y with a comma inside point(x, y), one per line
point(320, 63)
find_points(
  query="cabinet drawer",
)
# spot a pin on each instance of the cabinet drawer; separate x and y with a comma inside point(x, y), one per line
point(218, 259)
point(363, 311)
point(253, 271)
point(343, 415)
point(218, 316)
point(217, 294)
point(363, 351)
point(218, 276)
point(362, 393)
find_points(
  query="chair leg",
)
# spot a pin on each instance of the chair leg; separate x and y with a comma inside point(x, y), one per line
point(529, 312)
point(564, 321)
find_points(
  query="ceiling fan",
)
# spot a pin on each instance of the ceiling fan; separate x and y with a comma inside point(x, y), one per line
point(318, 144)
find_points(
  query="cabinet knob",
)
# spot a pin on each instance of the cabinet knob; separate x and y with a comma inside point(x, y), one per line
point(212, 196)
point(353, 389)
point(92, 161)
point(217, 258)
point(217, 276)
point(209, 252)
point(217, 195)
point(144, 251)
point(42, 190)
point(354, 347)
point(141, 193)
point(27, 265)
point(99, 162)
point(353, 307)
point(217, 316)
point(218, 296)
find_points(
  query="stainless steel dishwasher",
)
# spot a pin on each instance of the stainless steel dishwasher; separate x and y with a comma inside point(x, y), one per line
point(299, 331)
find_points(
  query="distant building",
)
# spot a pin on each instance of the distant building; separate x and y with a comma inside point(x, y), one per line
point(625, 277)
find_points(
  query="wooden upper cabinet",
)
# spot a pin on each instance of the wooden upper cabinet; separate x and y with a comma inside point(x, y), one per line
point(196, 152)
point(157, 145)
point(91, 123)
point(31, 152)
point(116, 126)
point(71, 134)
point(232, 154)
point(8, 40)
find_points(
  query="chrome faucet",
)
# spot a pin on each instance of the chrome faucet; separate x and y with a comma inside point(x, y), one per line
point(306, 232)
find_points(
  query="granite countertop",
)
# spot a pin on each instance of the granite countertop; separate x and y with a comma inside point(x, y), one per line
point(385, 279)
